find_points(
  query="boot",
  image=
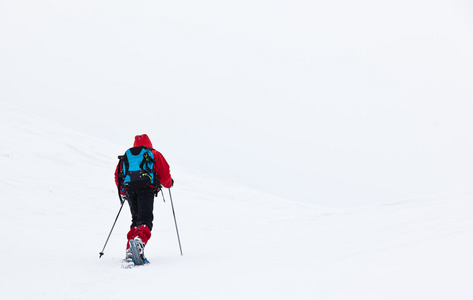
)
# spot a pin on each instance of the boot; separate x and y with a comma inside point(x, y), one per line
point(141, 248)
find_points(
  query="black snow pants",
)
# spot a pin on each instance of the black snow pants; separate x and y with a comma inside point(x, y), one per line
point(141, 206)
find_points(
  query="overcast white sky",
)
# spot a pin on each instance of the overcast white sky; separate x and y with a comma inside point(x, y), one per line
point(334, 102)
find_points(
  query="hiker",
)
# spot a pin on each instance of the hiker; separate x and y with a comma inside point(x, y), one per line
point(139, 176)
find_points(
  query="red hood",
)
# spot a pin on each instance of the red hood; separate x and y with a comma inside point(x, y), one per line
point(142, 140)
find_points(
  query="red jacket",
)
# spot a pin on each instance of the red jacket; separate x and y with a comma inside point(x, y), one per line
point(162, 168)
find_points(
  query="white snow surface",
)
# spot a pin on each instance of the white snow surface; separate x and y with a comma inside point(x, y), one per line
point(59, 202)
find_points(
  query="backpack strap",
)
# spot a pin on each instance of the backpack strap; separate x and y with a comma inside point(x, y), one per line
point(145, 161)
point(124, 165)
point(121, 174)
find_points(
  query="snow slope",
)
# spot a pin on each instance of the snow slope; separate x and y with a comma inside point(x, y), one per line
point(59, 202)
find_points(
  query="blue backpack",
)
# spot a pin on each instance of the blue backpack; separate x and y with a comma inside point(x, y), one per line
point(138, 168)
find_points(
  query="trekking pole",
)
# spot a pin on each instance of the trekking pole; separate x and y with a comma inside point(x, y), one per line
point(175, 222)
point(121, 200)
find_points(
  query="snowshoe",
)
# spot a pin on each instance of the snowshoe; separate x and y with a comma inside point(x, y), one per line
point(137, 248)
